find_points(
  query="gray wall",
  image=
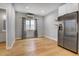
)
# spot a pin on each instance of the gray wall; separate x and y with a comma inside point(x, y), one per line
point(51, 30)
point(18, 24)
point(2, 33)
point(40, 26)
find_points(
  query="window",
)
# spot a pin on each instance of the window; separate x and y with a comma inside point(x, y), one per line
point(30, 24)
point(27, 25)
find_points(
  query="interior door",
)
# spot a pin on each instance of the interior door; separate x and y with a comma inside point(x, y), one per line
point(70, 32)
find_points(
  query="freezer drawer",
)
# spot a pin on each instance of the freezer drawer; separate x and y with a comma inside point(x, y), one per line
point(71, 43)
point(60, 38)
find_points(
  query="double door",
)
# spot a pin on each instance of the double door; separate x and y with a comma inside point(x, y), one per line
point(29, 28)
point(67, 33)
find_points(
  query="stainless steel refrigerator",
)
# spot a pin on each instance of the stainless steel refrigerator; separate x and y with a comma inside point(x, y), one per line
point(68, 31)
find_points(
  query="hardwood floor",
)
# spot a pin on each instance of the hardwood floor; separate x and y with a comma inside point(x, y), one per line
point(35, 47)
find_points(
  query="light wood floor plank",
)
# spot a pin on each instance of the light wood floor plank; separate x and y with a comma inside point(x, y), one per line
point(35, 47)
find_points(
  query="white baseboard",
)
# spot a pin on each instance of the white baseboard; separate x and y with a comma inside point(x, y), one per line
point(18, 38)
point(37, 37)
point(49, 37)
point(10, 46)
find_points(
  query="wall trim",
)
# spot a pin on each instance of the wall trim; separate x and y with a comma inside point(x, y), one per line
point(26, 38)
point(49, 37)
point(3, 42)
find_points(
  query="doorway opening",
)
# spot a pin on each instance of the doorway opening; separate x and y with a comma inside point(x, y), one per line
point(3, 32)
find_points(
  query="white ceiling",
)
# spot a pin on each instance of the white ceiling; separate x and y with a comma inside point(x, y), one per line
point(36, 8)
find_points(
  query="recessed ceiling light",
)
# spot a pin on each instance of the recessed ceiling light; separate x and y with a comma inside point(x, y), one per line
point(42, 11)
point(27, 7)
point(4, 17)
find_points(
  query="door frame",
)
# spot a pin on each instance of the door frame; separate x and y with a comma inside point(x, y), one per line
point(22, 32)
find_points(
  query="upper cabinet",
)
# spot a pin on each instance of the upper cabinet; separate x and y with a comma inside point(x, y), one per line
point(67, 8)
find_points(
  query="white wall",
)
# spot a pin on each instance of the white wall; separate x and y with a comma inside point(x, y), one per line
point(51, 31)
point(10, 38)
point(10, 26)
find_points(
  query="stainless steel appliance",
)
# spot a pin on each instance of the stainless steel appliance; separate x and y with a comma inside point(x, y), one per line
point(68, 31)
